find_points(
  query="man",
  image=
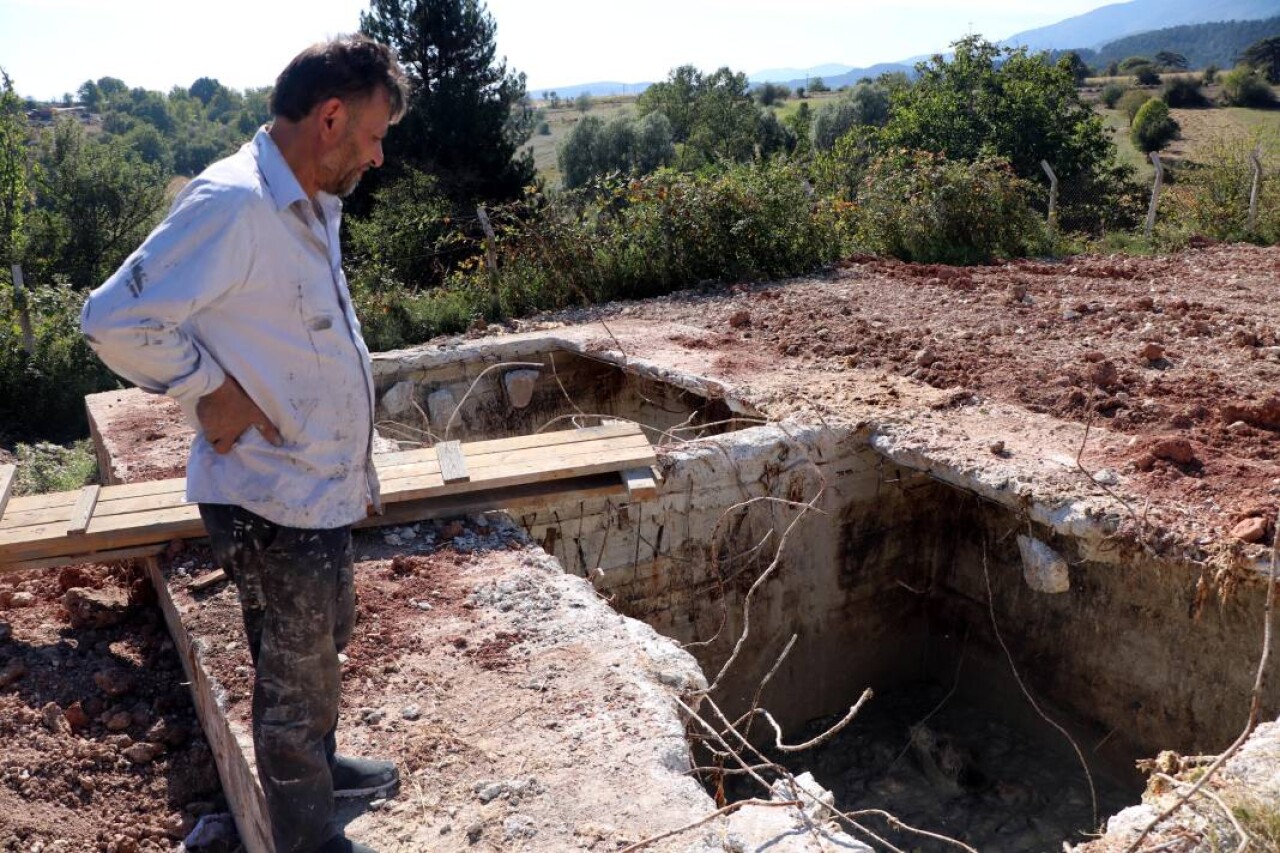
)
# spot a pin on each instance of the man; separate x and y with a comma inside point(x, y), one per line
point(237, 307)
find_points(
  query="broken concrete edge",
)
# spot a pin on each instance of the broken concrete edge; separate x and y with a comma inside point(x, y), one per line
point(663, 671)
point(393, 367)
point(1248, 783)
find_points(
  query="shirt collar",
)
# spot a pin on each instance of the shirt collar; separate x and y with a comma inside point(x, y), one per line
point(280, 180)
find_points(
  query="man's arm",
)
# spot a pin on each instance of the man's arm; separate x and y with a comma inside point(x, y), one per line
point(137, 320)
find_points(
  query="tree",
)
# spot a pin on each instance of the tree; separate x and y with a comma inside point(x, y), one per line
point(1264, 55)
point(1146, 75)
point(204, 89)
point(90, 95)
point(95, 202)
point(999, 101)
point(463, 126)
point(713, 115)
point(1246, 87)
point(582, 103)
point(14, 197)
point(772, 93)
point(1171, 60)
point(817, 84)
point(1075, 66)
point(1153, 128)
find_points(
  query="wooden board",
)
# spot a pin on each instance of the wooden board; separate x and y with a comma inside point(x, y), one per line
point(142, 514)
point(640, 484)
point(453, 468)
point(8, 475)
point(83, 510)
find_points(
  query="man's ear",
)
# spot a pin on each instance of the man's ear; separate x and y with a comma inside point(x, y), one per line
point(332, 116)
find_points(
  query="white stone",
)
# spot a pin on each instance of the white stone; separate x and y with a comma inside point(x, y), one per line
point(1043, 568)
point(519, 385)
point(398, 399)
point(440, 407)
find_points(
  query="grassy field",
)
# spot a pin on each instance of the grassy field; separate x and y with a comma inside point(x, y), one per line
point(560, 122)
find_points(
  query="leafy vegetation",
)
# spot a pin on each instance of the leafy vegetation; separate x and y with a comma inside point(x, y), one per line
point(47, 467)
point(1153, 128)
point(1246, 87)
point(1219, 44)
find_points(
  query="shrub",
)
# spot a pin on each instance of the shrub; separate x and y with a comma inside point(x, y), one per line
point(46, 467)
point(1184, 93)
point(1245, 87)
point(1131, 102)
point(1210, 75)
point(42, 392)
point(923, 207)
point(1146, 75)
point(1111, 94)
point(1153, 128)
point(407, 234)
point(544, 128)
point(1212, 195)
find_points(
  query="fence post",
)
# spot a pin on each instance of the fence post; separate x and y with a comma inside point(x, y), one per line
point(490, 260)
point(1155, 193)
point(1053, 196)
point(24, 316)
point(1256, 190)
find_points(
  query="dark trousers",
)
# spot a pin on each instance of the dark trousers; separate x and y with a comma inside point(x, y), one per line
point(298, 600)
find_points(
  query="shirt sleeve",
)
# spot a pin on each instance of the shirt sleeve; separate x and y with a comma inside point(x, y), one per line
point(138, 321)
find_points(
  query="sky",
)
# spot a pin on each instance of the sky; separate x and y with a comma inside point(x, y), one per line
point(50, 47)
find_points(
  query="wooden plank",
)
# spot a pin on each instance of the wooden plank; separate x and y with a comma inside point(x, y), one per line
point(91, 557)
point(453, 468)
point(640, 484)
point(8, 476)
point(167, 516)
point(83, 510)
point(474, 449)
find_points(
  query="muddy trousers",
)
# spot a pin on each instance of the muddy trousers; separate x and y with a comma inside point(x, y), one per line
point(298, 601)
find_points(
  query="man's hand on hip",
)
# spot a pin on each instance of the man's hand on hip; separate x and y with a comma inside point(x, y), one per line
point(226, 413)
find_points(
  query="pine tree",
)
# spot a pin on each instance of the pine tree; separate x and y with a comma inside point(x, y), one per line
point(468, 114)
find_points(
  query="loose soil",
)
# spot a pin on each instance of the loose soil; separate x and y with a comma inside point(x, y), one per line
point(1145, 349)
point(101, 747)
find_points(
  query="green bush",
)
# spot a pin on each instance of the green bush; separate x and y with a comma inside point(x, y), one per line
point(1146, 75)
point(46, 467)
point(1211, 197)
point(1153, 128)
point(1184, 93)
point(923, 207)
point(1131, 102)
point(42, 392)
point(1246, 87)
point(1111, 94)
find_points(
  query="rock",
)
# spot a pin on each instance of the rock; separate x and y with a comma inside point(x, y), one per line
point(52, 717)
point(489, 791)
point(119, 721)
point(997, 448)
point(96, 608)
point(1151, 351)
point(1176, 450)
point(818, 811)
point(86, 782)
point(739, 319)
point(519, 385)
point(1043, 568)
point(12, 671)
point(925, 357)
point(1071, 314)
point(411, 712)
point(1093, 356)
point(1264, 415)
point(167, 733)
point(451, 530)
point(1107, 477)
point(21, 599)
point(518, 826)
point(143, 753)
point(1252, 529)
point(1104, 374)
point(76, 717)
point(440, 407)
point(399, 399)
point(113, 682)
point(72, 576)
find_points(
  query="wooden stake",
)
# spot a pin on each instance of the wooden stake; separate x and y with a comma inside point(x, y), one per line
point(8, 476)
point(453, 468)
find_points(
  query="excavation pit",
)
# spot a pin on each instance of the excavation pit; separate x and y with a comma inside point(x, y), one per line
point(883, 582)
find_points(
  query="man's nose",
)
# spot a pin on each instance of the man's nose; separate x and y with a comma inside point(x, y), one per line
point(377, 156)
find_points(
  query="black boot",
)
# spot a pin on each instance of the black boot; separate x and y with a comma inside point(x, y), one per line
point(363, 777)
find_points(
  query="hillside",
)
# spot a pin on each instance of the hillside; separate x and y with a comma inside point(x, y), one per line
point(1110, 23)
point(1217, 44)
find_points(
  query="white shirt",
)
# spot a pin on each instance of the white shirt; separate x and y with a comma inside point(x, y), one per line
point(244, 278)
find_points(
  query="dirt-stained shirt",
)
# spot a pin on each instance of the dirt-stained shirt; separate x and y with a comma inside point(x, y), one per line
point(244, 278)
